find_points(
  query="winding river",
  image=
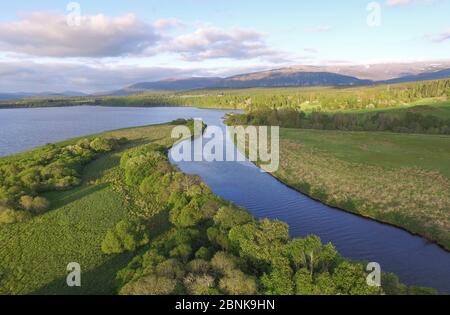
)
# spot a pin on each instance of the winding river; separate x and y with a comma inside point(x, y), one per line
point(413, 259)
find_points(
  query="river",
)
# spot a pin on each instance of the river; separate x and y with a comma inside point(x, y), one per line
point(415, 260)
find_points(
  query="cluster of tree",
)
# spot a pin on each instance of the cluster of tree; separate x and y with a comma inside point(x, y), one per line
point(395, 121)
point(25, 177)
point(214, 247)
point(326, 99)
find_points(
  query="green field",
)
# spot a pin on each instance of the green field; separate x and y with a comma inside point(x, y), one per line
point(400, 179)
point(35, 253)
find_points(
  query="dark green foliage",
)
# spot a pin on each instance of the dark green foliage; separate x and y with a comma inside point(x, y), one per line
point(126, 236)
point(407, 121)
point(50, 168)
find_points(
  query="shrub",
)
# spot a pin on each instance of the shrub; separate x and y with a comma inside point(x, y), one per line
point(36, 205)
point(238, 283)
point(151, 285)
point(101, 145)
point(223, 263)
point(8, 215)
point(170, 268)
point(199, 266)
point(199, 284)
point(229, 217)
point(126, 236)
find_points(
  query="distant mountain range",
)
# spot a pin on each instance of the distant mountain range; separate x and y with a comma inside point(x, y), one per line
point(273, 78)
point(301, 76)
point(304, 76)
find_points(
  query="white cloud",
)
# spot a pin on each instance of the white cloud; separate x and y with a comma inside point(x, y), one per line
point(401, 3)
point(208, 42)
point(164, 24)
point(46, 34)
point(38, 77)
point(395, 3)
point(439, 38)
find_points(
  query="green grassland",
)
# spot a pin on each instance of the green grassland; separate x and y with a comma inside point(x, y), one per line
point(35, 253)
point(400, 179)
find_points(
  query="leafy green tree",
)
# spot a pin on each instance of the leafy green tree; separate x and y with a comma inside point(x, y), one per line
point(223, 263)
point(235, 282)
point(229, 217)
point(350, 278)
point(126, 236)
point(279, 280)
point(303, 283)
point(171, 269)
point(200, 284)
point(152, 285)
point(8, 215)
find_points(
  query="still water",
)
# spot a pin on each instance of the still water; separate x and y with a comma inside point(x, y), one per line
point(413, 259)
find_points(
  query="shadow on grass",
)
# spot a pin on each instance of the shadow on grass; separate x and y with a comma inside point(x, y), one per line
point(102, 280)
point(61, 199)
point(99, 281)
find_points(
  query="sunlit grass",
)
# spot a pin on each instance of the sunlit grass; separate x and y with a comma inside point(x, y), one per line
point(396, 178)
point(34, 254)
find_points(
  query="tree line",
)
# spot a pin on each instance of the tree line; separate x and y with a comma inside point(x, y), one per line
point(405, 121)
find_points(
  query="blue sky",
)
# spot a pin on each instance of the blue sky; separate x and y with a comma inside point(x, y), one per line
point(211, 37)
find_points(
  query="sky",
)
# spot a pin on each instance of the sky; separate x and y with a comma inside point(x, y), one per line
point(102, 45)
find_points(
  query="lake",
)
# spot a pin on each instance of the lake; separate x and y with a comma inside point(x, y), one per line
point(415, 260)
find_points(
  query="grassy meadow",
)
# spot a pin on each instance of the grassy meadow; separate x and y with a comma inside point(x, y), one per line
point(35, 253)
point(401, 179)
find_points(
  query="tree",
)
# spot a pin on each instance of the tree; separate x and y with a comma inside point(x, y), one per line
point(8, 215)
point(111, 244)
point(200, 284)
point(279, 280)
point(303, 282)
point(229, 217)
point(260, 242)
point(151, 285)
point(36, 205)
point(236, 282)
point(312, 249)
point(224, 263)
point(350, 278)
point(126, 236)
point(170, 268)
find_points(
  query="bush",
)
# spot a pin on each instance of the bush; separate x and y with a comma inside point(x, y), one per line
point(126, 236)
point(101, 145)
point(171, 269)
point(228, 217)
point(8, 216)
point(199, 284)
point(238, 283)
point(224, 263)
point(151, 285)
point(36, 205)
